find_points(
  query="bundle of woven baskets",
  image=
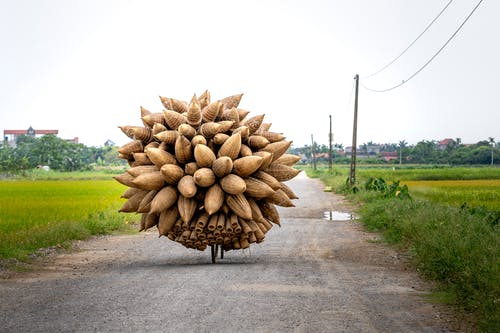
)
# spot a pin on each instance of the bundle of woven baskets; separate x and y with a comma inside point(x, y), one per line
point(206, 173)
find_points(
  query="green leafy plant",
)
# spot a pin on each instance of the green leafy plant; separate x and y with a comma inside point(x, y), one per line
point(394, 190)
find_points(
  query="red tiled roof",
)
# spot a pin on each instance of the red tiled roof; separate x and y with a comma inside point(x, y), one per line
point(19, 132)
point(15, 131)
point(445, 142)
point(46, 131)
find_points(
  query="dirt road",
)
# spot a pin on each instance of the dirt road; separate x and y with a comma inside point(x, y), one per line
point(311, 275)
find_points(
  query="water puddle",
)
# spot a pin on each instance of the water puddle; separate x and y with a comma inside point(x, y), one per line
point(334, 215)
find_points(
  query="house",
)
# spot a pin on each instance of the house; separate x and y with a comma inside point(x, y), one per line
point(445, 143)
point(109, 143)
point(321, 155)
point(10, 136)
point(361, 152)
point(389, 155)
point(371, 149)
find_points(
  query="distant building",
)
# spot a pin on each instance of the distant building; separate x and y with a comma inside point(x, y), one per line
point(341, 152)
point(445, 143)
point(389, 155)
point(373, 149)
point(321, 155)
point(109, 143)
point(10, 136)
point(363, 151)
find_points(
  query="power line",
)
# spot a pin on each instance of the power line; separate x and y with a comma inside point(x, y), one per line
point(411, 44)
point(351, 94)
point(431, 59)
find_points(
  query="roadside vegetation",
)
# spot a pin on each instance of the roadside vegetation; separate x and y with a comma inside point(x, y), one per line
point(447, 219)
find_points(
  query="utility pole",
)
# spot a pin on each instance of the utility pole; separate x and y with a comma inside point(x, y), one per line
point(330, 138)
point(312, 153)
point(352, 175)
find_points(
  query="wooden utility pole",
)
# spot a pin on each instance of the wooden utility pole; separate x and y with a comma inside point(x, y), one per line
point(352, 175)
point(313, 158)
point(330, 138)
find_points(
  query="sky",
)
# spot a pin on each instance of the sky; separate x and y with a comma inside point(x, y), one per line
point(85, 67)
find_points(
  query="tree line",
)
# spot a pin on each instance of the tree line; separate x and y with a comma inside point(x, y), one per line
point(58, 154)
point(424, 152)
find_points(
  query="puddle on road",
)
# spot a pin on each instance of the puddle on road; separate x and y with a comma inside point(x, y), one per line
point(334, 215)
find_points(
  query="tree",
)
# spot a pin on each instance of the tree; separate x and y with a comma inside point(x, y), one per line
point(390, 147)
point(482, 143)
point(110, 156)
point(11, 161)
point(57, 153)
point(461, 155)
point(402, 144)
point(364, 148)
point(424, 152)
point(480, 155)
point(492, 143)
point(427, 151)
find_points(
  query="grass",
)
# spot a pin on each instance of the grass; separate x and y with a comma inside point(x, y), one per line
point(449, 245)
point(454, 244)
point(43, 213)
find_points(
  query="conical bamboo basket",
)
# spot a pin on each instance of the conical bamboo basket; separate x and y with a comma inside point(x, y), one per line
point(206, 173)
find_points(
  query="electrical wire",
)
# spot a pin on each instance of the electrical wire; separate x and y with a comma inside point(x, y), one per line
point(352, 93)
point(431, 59)
point(411, 44)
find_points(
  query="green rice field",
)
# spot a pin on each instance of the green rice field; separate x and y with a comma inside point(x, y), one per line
point(42, 213)
point(428, 173)
point(473, 193)
point(456, 186)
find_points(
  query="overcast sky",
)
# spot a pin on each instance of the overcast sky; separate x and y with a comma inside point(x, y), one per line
point(85, 67)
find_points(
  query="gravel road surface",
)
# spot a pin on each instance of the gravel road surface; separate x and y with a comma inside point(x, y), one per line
point(310, 275)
